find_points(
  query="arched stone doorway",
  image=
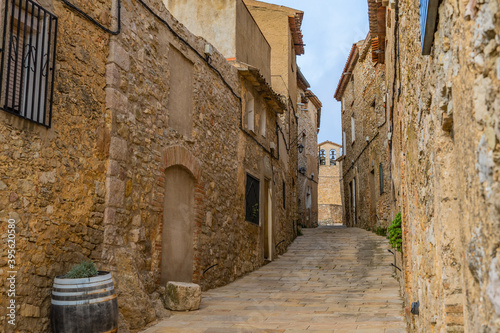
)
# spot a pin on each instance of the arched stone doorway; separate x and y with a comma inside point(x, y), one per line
point(178, 226)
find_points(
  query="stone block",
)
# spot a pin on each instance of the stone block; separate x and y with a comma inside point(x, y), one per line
point(118, 149)
point(118, 55)
point(182, 296)
point(115, 192)
point(116, 100)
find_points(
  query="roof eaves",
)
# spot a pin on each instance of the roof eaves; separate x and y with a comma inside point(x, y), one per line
point(295, 22)
point(314, 99)
point(349, 66)
point(253, 75)
point(302, 78)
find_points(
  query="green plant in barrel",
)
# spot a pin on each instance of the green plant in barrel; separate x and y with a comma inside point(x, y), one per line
point(395, 234)
point(84, 300)
point(85, 269)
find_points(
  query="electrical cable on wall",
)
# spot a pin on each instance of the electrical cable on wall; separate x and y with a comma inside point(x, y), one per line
point(118, 31)
point(99, 25)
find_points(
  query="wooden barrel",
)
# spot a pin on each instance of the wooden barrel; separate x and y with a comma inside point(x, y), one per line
point(86, 305)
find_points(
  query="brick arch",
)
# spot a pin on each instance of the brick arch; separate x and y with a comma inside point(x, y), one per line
point(178, 155)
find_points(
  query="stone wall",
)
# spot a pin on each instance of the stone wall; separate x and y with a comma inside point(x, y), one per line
point(52, 180)
point(94, 184)
point(308, 159)
point(329, 214)
point(329, 194)
point(366, 155)
point(445, 163)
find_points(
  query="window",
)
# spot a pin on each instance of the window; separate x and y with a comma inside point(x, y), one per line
point(322, 157)
point(28, 61)
point(250, 112)
point(333, 157)
point(263, 123)
point(428, 18)
point(381, 178)
point(353, 129)
point(252, 200)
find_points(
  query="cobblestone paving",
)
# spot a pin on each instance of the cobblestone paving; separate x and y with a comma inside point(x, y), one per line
point(332, 279)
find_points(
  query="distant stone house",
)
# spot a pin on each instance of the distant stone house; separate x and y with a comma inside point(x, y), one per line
point(264, 159)
point(309, 107)
point(365, 163)
point(329, 189)
point(137, 160)
point(281, 26)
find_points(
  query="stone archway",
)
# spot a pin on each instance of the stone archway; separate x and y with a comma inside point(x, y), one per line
point(181, 179)
point(178, 226)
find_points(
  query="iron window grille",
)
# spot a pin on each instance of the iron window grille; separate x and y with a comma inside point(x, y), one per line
point(28, 60)
point(252, 200)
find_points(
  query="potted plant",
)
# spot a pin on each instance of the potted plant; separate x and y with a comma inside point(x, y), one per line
point(84, 301)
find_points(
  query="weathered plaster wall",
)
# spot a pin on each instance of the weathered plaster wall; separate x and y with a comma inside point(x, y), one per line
point(273, 22)
point(251, 45)
point(446, 167)
point(229, 26)
point(215, 20)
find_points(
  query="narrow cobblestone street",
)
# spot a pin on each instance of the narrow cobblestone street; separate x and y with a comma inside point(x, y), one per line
point(332, 279)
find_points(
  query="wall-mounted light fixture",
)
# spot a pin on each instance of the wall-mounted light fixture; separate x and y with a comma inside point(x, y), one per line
point(300, 147)
point(302, 170)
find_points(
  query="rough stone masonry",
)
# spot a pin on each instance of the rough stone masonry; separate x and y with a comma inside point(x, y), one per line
point(444, 114)
point(94, 184)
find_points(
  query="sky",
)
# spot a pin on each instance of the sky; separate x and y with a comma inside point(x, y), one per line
point(330, 27)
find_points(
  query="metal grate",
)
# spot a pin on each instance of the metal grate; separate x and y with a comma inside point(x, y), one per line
point(28, 60)
point(252, 200)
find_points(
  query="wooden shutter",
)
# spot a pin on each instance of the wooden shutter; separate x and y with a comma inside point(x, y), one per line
point(428, 18)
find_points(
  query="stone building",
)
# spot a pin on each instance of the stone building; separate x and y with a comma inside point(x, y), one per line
point(329, 193)
point(141, 158)
point(232, 28)
point(441, 88)
point(365, 162)
point(309, 108)
point(281, 27)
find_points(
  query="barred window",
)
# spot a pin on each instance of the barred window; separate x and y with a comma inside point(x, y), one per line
point(27, 60)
